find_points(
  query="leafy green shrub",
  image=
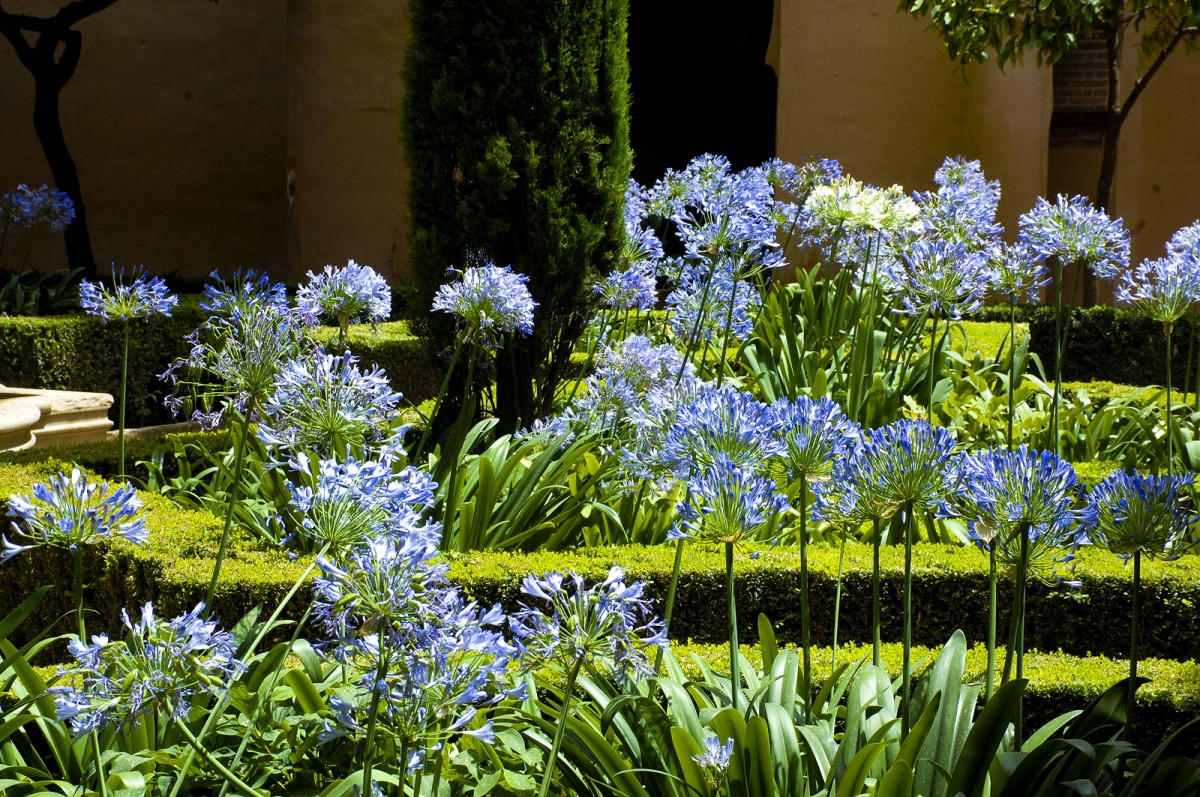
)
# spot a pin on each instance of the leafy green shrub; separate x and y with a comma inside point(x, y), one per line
point(1058, 682)
point(516, 123)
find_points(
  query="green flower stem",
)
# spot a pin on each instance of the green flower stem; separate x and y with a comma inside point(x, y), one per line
point(452, 481)
point(1016, 634)
point(1167, 329)
point(593, 345)
point(805, 638)
point(459, 345)
point(735, 679)
point(233, 779)
point(670, 604)
point(239, 457)
point(876, 620)
point(1012, 372)
point(121, 415)
point(373, 717)
point(561, 730)
point(906, 674)
point(991, 647)
point(403, 774)
point(77, 568)
point(695, 333)
point(102, 787)
point(1060, 345)
point(837, 600)
point(728, 330)
point(1135, 617)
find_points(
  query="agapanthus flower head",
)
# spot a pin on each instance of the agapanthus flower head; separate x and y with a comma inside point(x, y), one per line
point(33, 207)
point(1143, 512)
point(346, 294)
point(632, 288)
point(235, 361)
point(125, 300)
point(720, 420)
point(1018, 272)
point(815, 435)
point(720, 214)
point(963, 187)
point(710, 302)
point(728, 503)
point(1165, 288)
point(1072, 230)
point(607, 624)
point(340, 504)
point(942, 278)
point(848, 204)
point(800, 180)
point(1003, 494)
point(324, 403)
point(157, 670)
point(490, 302)
point(428, 674)
point(625, 375)
point(244, 293)
point(641, 244)
point(903, 464)
point(714, 761)
point(1186, 241)
point(71, 511)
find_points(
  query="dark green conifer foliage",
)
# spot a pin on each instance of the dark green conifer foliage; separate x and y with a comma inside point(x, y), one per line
point(517, 132)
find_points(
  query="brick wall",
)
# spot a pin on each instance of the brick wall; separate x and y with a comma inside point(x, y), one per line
point(1080, 95)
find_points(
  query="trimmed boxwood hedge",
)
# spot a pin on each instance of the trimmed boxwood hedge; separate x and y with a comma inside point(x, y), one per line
point(1115, 344)
point(950, 584)
point(77, 352)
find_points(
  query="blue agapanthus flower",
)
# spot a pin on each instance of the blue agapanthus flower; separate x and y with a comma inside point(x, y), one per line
point(625, 376)
point(1018, 273)
point(728, 503)
point(815, 434)
point(610, 624)
point(633, 288)
point(244, 293)
point(157, 670)
point(236, 359)
point(325, 403)
point(1186, 241)
point(490, 302)
point(124, 301)
point(346, 503)
point(720, 421)
point(72, 511)
point(34, 207)
point(1143, 512)
point(1002, 494)
point(641, 243)
point(942, 278)
point(898, 465)
point(347, 294)
point(714, 761)
point(1072, 230)
point(1164, 288)
point(711, 301)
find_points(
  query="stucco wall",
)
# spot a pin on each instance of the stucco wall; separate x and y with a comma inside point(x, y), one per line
point(875, 90)
point(347, 174)
point(176, 118)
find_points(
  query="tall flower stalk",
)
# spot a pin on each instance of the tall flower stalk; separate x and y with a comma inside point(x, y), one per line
point(609, 625)
point(125, 302)
point(1165, 289)
point(1071, 232)
point(1138, 514)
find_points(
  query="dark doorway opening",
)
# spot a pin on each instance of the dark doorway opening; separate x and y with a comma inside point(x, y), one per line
point(700, 83)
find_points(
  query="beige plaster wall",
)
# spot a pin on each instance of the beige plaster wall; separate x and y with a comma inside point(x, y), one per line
point(347, 176)
point(176, 118)
point(875, 90)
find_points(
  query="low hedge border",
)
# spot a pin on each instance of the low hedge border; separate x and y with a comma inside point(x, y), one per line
point(1058, 682)
point(78, 352)
point(1117, 344)
point(950, 584)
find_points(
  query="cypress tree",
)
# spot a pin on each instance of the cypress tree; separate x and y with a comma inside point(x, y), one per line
point(516, 125)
